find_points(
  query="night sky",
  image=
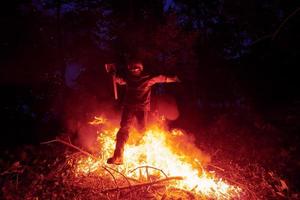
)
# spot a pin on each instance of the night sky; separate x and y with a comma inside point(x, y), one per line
point(237, 62)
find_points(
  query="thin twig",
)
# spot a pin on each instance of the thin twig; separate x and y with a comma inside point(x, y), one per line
point(88, 154)
point(129, 184)
point(48, 142)
point(261, 39)
point(284, 22)
point(85, 153)
point(150, 168)
point(242, 186)
point(115, 181)
point(273, 35)
point(125, 177)
point(214, 166)
point(70, 145)
point(147, 172)
point(143, 184)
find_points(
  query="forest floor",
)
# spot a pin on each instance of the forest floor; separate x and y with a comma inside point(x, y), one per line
point(260, 156)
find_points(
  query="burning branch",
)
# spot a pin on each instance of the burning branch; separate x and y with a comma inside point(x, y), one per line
point(106, 168)
point(143, 184)
point(147, 167)
point(115, 181)
point(244, 187)
point(154, 151)
point(126, 178)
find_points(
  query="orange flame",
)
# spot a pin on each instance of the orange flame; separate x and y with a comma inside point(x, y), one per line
point(171, 151)
point(98, 120)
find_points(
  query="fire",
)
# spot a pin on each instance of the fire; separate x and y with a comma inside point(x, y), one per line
point(163, 153)
point(98, 120)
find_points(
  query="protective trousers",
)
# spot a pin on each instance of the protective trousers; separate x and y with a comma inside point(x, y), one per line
point(127, 120)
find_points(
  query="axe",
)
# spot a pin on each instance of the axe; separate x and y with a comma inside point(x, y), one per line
point(111, 69)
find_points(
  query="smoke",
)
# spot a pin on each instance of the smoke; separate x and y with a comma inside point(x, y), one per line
point(87, 99)
point(183, 143)
point(166, 105)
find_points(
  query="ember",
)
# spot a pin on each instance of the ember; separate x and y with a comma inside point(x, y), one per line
point(157, 155)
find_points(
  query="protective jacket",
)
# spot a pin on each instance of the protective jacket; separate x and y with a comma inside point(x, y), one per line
point(138, 90)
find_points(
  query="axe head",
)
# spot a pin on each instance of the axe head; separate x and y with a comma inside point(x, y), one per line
point(110, 68)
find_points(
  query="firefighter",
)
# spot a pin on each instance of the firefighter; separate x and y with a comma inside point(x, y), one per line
point(136, 103)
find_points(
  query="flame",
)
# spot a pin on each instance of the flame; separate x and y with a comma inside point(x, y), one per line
point(98, 120)
point(173, 152)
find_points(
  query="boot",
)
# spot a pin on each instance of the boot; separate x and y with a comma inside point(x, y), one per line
point(117, 158)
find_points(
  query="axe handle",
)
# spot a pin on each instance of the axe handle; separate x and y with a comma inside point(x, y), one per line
point(115, 87)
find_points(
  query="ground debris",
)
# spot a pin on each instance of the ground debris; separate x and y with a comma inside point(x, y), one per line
point(52, 176)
